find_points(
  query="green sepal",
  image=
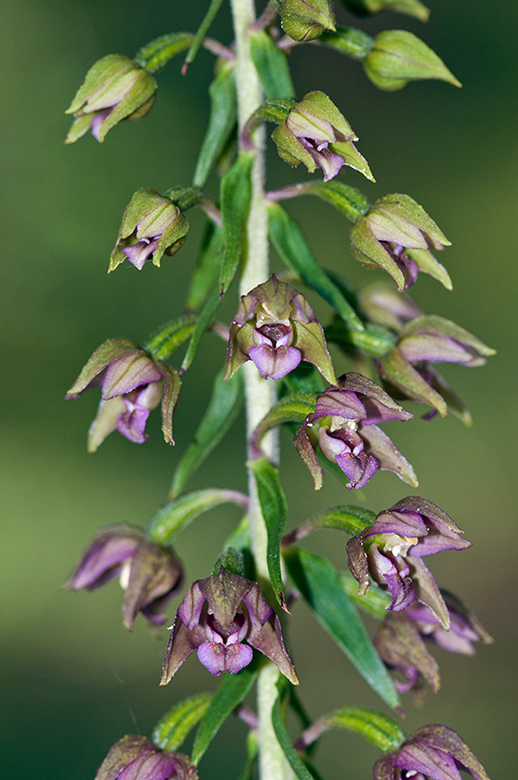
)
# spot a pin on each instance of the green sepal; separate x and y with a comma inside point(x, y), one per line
point(274, 510)
point(294, 407)
point(236, 192)
point(173, 727)
point(202, 31)
point(305, 20)
point(168, 337)
point(229, 695)
point(290, 243)
point(178, 514)
point(377, 728)
point(272, 66)
point(281, 732)
point(210, 308)
point(320, 586)
point(232, 560)
point(347, 40)
point(207, 266)
point(224, 406)
point(223, 112)
point(157, 53)
point(399, 56)
point(401, 374)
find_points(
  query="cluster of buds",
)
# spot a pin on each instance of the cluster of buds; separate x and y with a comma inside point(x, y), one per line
point(305, 21)
point(132, 384)
point(217, 615)
point(149, 574)
point(435, 752)
point(276, 328)
point(115, 88)
point(390, 552)
point(317, 134)
point(152, 226)
point(136, 758)
point(344, 428)
point(397, 235)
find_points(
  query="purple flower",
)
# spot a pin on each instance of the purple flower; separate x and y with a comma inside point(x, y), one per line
point(434, 752)
point(151, 227)
point(217, 615)
point(136, 758)
point(317, 134)
point(344, 427)
point(115, 88)
point(413, 525)
point(150, 575)
point(132, 384)
point(276, 328)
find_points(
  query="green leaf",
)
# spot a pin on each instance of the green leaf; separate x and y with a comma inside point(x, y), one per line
point(223, 111)
point(178, 514)
point(172, 729)
point(293, 248)
point(230, 693)
point(320, 585)
point(224, 406)
point(377, 728)
point(272, 65)
point(286, 744)
point(236, 192)
point(274, 510)
point(291, 408)
point(203, 29)
point(155, 54)
point(207, 313)
point(207, 266)
point(167, 338)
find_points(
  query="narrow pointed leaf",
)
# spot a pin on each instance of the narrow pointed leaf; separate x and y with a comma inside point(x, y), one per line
point(207, 313)
point(224, 406)
point(166, 339)
point(207, 267)
point(178, 514)
point(230, 693)
point(320, 585)
point(293, 248)
point(272, 65)
point(223, 112)
point(286, 744)
point(203, 29)
point(236, 191)
point(173, 728)
point(274, 510)
point(155, 54)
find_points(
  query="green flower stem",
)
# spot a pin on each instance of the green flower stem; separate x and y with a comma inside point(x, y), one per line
point(259, 394)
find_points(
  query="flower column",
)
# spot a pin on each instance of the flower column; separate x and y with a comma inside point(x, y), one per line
point(260, 394)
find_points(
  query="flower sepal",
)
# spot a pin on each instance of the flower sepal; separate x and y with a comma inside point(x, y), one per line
point(305, 21)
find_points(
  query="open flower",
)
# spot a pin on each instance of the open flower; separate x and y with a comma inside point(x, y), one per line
point(397, 235)
point(317, 134)
point(276, 328)
point(390, 551)
point(115, 88)
point(434, 752)
point(149, 574)
point(216, 617)
point(132, 384)
point(344, 427)
point(136, 758)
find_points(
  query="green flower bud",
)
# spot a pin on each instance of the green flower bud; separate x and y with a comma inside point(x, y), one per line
point(398, 57)
point(115, 88)
point(151, 227)
point(305, 21)
point(410, 7)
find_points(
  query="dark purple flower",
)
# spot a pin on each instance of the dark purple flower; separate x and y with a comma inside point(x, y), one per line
point(136, 758)
point(413, 525)
point(344, 427)
point(132, 384)
point(217, 615)
point(435, 752)
point(276, 328)
point(150, 575)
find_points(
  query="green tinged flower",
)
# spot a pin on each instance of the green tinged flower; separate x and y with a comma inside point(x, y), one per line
point(305, 20)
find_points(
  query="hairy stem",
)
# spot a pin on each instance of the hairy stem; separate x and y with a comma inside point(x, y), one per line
point(260, 394)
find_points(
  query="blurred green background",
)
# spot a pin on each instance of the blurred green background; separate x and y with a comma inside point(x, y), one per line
point(73, 681)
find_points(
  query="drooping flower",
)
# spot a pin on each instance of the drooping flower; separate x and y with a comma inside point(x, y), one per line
point(149, 574)
point(115, 88)
point(136, 758)
point(317, 134)
point(397, 235)
point(152, 226)
point(344, 427)
point(435, 752)
point(305, 21)
point(216, 617)
point(390, 552)
point(132, 384)
point(276, 328)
